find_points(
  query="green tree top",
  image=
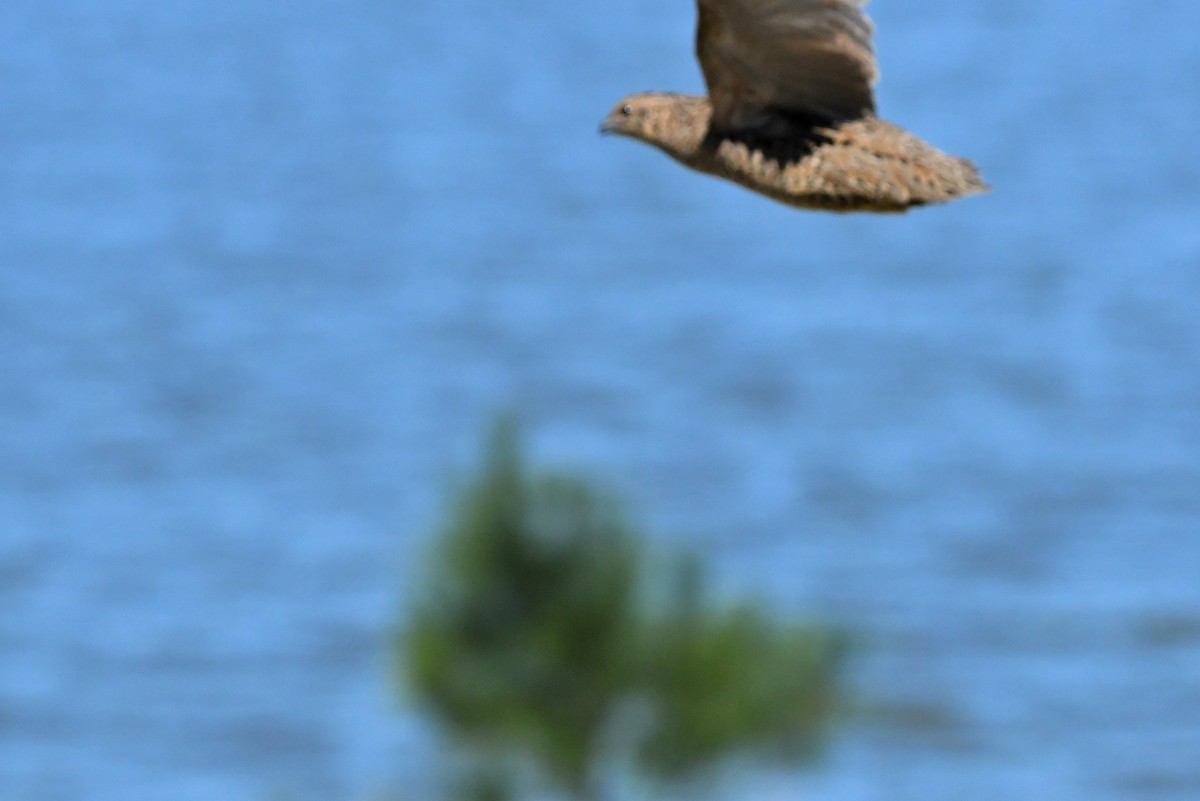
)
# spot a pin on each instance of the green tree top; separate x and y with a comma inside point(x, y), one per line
point(535, 633)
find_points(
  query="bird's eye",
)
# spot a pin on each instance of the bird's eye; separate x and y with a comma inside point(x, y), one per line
point(626, 109)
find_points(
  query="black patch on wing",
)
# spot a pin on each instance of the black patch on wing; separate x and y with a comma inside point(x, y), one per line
point(784, 136)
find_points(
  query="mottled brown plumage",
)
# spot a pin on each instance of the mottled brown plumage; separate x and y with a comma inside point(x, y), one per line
point(790, 112)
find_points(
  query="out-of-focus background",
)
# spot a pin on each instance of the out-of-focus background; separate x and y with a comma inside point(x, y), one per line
point(268, 271)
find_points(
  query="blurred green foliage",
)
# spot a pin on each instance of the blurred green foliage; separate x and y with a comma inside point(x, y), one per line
point(544, 640)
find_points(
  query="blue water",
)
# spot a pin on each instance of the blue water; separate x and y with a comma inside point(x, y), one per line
point(267, 271)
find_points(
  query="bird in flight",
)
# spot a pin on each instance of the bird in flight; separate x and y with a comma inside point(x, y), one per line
point(790, 112)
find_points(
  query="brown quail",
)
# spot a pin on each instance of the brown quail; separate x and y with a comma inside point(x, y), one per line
point(790, 112)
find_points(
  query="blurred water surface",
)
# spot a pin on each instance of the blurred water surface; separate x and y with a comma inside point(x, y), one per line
point(267, 271)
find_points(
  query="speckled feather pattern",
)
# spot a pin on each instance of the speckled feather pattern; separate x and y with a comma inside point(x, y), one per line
point(867, 164)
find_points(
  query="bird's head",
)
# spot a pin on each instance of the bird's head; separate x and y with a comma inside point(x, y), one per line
point(676, 123)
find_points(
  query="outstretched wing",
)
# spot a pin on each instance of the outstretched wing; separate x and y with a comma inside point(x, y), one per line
point(768, 60)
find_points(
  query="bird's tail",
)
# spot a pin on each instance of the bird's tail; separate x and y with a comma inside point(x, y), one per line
point(892, 168)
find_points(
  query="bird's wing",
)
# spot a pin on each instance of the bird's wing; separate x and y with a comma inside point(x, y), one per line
point(763, 59)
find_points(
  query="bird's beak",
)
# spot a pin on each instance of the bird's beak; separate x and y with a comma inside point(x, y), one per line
point(608, 125)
